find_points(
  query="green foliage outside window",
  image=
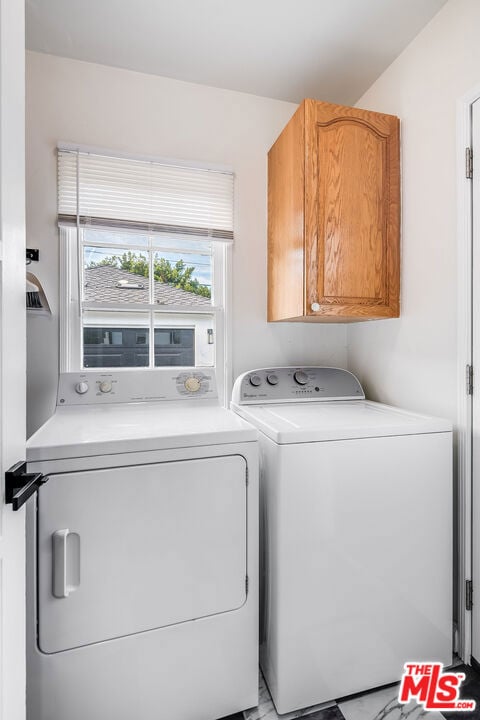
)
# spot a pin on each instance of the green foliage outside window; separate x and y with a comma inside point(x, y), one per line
point(177, 274)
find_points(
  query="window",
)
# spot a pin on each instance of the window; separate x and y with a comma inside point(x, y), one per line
point(143, 248)
point(137, 287)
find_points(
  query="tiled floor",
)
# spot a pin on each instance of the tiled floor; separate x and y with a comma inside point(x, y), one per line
point(382, 705)
point(375, 705)
point(471, 691)
point(266, 709)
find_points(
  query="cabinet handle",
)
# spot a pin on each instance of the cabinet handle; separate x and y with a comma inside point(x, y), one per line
point(64, 550)
point(315, 307)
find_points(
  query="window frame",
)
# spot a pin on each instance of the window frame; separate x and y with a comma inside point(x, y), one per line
point(71, 308)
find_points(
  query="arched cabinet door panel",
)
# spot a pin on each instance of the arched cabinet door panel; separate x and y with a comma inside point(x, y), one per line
point(334, 216)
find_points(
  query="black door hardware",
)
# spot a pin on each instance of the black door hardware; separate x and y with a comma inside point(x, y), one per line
point(20, 485)
point(32, 254)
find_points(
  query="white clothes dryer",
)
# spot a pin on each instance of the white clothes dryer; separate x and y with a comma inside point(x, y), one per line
point(142, 596)
point(356, 534)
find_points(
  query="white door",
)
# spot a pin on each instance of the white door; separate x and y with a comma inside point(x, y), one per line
point(126, 550)
point(12, 353)
point(476, 394)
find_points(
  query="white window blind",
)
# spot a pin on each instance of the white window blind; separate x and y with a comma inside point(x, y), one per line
point(104, 191)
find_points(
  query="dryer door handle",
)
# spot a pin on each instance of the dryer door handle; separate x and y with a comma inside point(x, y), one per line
point(66, 562)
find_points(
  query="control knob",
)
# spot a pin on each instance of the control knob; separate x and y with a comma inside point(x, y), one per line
point(272, 379)
point(300, 377)
point(105, 386)
point(81, 388)
point(192, 384)
point(255, 380)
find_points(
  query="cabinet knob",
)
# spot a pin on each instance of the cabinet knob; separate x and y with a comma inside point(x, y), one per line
point(315, 307)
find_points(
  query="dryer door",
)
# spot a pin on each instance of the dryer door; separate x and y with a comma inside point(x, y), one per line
point(130, 549)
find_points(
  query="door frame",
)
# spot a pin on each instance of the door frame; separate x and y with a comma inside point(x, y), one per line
point(463, 640)
point(12, 353)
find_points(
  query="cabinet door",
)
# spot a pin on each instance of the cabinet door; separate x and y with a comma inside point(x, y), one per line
point(351, 212)
point(131, 549)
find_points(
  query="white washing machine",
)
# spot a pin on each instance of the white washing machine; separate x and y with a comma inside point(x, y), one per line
point(356, 534)
point(142, 546)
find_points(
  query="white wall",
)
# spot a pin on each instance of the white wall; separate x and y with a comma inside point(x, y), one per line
point(412, 361)
point(144, 114)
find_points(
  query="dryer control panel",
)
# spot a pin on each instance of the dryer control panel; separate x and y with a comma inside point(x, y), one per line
point(123, 386)
point(296, 384)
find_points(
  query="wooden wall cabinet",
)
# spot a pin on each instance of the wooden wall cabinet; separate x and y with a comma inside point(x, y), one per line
point(334, 216)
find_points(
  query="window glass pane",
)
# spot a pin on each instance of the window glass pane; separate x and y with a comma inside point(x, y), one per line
point(116, 339)
point(183, 243)
point(184, 340)
point(113, 275)
point(115, 347)
point(182, 278)
point(174, 347)
point(115, 237)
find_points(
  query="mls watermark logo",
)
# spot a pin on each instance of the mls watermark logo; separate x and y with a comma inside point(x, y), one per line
point(433, 688)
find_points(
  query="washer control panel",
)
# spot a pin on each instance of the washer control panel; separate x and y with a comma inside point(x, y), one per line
point(103, 387)
point(296, 384)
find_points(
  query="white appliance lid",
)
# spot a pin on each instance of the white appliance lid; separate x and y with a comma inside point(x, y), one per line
point(339, 420)
point(135, 427)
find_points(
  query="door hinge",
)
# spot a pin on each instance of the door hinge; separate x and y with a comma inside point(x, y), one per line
point(469, 379)
point(468, 594)
point(246, 584)
point(468, 163)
